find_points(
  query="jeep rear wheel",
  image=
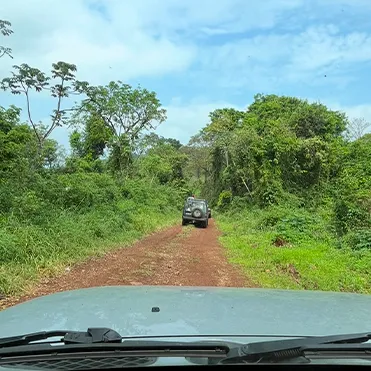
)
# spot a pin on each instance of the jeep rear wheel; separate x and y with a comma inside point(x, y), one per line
point(197, 213)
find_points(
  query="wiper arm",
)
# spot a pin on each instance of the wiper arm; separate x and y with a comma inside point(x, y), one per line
point(92, 335)
point(273, 351)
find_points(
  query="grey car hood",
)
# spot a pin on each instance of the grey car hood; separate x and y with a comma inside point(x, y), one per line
point(192, 311)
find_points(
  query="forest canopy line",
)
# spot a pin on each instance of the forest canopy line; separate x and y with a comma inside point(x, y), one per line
point(279, 161)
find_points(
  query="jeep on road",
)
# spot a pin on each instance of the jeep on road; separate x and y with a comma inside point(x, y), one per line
point(196, 211)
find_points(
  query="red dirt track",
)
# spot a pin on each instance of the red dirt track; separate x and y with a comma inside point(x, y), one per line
point(176, 256)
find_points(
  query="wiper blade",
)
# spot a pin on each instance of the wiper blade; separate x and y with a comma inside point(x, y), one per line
point(273, 351)
point(92, 335)
point(102, 340)
point(127, 349)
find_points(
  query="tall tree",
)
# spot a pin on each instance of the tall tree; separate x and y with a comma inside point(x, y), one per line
point(198, 151)
point(125, 111)
point(61, 84)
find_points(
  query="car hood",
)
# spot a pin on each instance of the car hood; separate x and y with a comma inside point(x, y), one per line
point(192, 311)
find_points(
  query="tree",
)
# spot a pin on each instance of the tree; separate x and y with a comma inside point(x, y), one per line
point(147, 141)
point(173, 142)
point(9, 118)
point(26, 79)
point(353, 187)
point(126, 111)
point(5, 30)
point(223, 121)
point(88, 143)
point(164, 163)
point(92, 140)
point(358, 127)
point(77, 144)
point(307, 120)
point(17, 144)
point(52, 154)
point(198, 151)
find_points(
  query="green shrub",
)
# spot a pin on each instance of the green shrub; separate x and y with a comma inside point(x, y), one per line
point(240, 203)
point(271, 217)
point(224, 200)
point(349, 215)
point(28, 206)
point(358, 239)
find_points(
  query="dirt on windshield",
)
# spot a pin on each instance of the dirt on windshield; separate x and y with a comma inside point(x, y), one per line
point(176, 256)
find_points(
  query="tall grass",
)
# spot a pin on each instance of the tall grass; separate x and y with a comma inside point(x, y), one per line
point(36, 242)
point(293, 248)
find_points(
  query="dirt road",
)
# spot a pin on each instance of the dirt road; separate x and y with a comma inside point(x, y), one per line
point(177, 256)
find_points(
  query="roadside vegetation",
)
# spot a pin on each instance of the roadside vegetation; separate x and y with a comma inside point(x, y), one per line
point(118, 182)
point(290, 180)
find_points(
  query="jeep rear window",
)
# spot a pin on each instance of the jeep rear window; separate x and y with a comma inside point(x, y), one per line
point(198, 204)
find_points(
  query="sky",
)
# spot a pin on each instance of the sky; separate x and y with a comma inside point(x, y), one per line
point(199, 55)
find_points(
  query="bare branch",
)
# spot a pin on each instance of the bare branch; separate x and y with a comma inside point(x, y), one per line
point(358, 128)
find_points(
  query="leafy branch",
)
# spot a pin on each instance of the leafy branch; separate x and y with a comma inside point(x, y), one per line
point(5, 30)
point(26, 79)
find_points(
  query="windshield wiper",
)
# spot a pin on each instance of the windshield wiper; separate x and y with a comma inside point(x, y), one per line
point(99, 343)
point(105, 339)
point(277, 350)
point(92, 335)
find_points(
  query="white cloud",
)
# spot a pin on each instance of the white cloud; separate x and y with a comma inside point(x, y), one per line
point(46, 32)
point(117, 39)
point(272, 60)
point(186, 119)
point(126, 39)
point(193, 16)
point(323, 46)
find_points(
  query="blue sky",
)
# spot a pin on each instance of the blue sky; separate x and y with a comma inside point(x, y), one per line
point(199, 55)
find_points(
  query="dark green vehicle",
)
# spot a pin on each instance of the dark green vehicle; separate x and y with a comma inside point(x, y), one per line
point(196, 211)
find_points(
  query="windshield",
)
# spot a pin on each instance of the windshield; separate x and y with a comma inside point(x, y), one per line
point(192, 169)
